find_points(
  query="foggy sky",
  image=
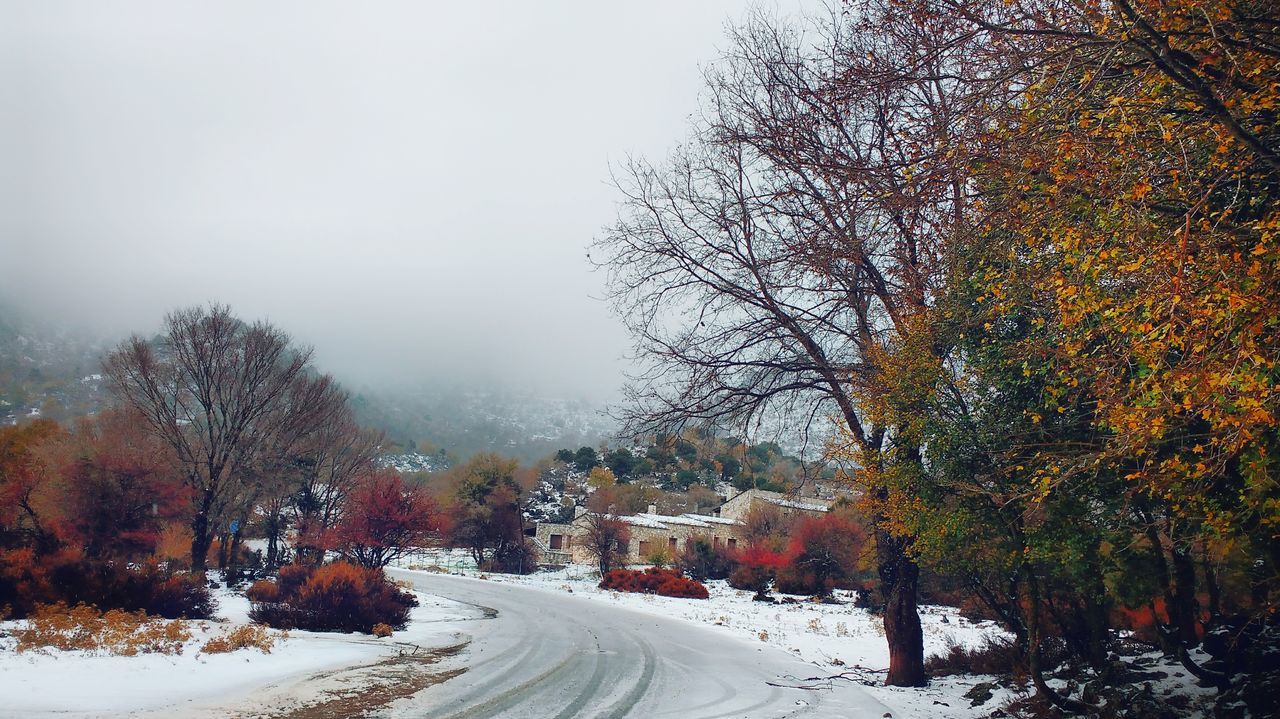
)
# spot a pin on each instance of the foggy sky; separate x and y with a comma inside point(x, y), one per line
point(408, 186)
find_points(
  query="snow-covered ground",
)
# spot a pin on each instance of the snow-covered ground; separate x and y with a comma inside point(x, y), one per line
point(837, 639)
point(73, 683)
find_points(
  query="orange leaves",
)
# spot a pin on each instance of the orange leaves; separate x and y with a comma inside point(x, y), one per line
point(1154, 239)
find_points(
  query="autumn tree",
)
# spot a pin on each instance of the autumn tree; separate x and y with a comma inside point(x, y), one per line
point(601, 477)
point(220, 393)
point(486, 513)
point(1094, 392)
point(383, 518)
point(25, 487)
point(119, 485)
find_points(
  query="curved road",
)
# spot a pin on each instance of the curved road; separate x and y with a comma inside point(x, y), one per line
point(542, 654)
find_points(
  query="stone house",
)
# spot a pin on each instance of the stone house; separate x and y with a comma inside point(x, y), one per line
point(565, 543)
point(650, 533)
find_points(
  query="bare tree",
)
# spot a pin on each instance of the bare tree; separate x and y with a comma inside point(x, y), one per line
point(222, 393)
point(606, 540)
point(808, 222)
point(277, 467)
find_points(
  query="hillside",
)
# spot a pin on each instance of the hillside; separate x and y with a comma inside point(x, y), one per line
point(46, 370)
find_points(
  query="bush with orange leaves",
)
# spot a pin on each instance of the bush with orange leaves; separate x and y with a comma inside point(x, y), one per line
point(85, 628)
point(338, 597)
point(663, 582)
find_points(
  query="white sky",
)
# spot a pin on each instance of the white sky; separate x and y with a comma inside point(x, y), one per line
point(409, 186)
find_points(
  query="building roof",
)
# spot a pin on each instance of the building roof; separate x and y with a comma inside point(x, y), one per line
point(664, 521)
point(685, 519)
point(796, 505)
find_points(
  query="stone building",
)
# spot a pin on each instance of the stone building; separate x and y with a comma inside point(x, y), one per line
point(740, 505)
point(651, 532)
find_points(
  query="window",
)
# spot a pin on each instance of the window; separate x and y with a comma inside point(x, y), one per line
point(646, 548)
point(715, 542)
point(672, 544)
point(557, 541)
point(733, 542)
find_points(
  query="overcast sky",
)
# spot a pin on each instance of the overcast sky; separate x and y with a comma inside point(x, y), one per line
point(408, 186)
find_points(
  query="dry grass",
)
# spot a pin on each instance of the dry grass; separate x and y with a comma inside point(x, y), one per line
point(245, 637)
point(84, 628)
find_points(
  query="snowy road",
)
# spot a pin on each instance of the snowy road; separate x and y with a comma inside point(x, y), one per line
point(554, 655)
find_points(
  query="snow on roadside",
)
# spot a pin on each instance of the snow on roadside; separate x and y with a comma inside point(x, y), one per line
point(51, 682)
point(835, 638)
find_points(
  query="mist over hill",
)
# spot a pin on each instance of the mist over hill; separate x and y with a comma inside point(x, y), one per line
point(54, 370)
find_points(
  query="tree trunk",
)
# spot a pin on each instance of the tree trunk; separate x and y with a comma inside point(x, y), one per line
point(1097, 624)
point(224, 539)
point(1212, 586)
point(1099, 628)
point(200, 541)
point(235, 544)
point(899, 584)
point(272, 548)
point(1035, 667)
point(1184, 612)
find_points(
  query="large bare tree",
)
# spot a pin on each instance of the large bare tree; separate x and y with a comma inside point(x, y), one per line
point(805, 225)
point(222, 393)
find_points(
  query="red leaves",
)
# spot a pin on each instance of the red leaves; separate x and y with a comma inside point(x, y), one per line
point(822, 553)
point(663, 582)
point(758, 556)
point(384, 517)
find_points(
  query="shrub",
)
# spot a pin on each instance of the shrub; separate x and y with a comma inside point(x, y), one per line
point(702, 560)
point(663, 582)
point(511, 558)
point(85, 628)
point(659, 558)
point(382, 630)
point(64, 577)
point(180, 596)
point(338, 597)
point(263, 590)
point(244, 637)
point(997, 656)
point(757, 567)
point(791, 579)
point(823, 554)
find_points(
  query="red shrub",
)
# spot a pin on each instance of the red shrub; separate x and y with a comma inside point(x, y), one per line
point(263, 590)
point(336, 597)
point(663, 582)
point(823, 554)
point(757, 567)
